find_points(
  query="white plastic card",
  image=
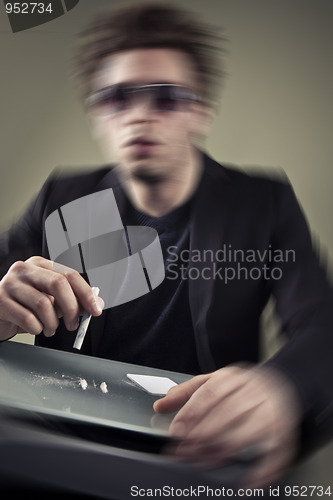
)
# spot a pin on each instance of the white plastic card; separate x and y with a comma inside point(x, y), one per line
point(152, 384)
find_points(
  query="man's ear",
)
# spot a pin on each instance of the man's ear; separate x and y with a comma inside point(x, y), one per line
point(94, 124)
point(202, 119)
point(98, 132)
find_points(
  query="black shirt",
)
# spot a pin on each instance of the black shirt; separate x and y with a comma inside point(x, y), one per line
point(156, 329)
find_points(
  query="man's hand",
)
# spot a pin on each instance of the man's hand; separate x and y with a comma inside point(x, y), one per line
point(34, 294)
point(232, 410)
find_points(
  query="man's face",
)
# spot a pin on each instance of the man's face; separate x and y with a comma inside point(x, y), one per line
point(140, 138)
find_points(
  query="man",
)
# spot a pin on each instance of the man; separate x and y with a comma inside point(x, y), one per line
point(147, 74)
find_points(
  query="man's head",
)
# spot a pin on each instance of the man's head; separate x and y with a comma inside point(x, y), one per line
point(147, 73)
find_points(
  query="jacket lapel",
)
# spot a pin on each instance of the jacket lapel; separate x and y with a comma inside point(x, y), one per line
point(208, 225)
point(97, 324)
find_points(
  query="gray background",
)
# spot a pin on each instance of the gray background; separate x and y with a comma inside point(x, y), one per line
point(276, 108)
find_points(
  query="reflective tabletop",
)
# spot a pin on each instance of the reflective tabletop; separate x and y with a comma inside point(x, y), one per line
point(80, 388)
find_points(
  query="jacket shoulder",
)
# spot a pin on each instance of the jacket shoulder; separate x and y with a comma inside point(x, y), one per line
point(258, 185)
point(247, 175)
point(63, 186)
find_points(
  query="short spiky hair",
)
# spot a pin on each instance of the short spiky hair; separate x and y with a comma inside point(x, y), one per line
point(150, 25)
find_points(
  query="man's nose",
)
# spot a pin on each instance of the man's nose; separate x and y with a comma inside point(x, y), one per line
point(141, 109)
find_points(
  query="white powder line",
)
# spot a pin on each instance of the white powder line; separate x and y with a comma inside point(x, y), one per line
point(104, 387)
point(83, 383)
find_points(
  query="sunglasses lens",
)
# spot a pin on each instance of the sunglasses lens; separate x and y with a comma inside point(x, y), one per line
point(163, 98)
point(118, 101)
point(109, 101)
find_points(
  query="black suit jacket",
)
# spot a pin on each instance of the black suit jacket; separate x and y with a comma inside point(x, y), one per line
point(232, 211)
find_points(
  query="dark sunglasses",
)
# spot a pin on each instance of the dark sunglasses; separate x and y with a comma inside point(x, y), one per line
point(117, 98)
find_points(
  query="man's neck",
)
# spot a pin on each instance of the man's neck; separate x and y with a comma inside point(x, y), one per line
point(158, 197)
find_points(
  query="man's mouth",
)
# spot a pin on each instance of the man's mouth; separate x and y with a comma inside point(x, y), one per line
point(142, 144)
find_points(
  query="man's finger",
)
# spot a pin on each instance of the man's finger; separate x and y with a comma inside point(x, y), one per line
point(177, 396)
point(36, 303)
point(208, 397)
point(72, 292)
point(270, 467)
point(17, 314)
point(236, 434)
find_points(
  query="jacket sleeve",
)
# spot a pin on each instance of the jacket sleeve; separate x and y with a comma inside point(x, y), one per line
point(304, 302)
point(25, 237)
